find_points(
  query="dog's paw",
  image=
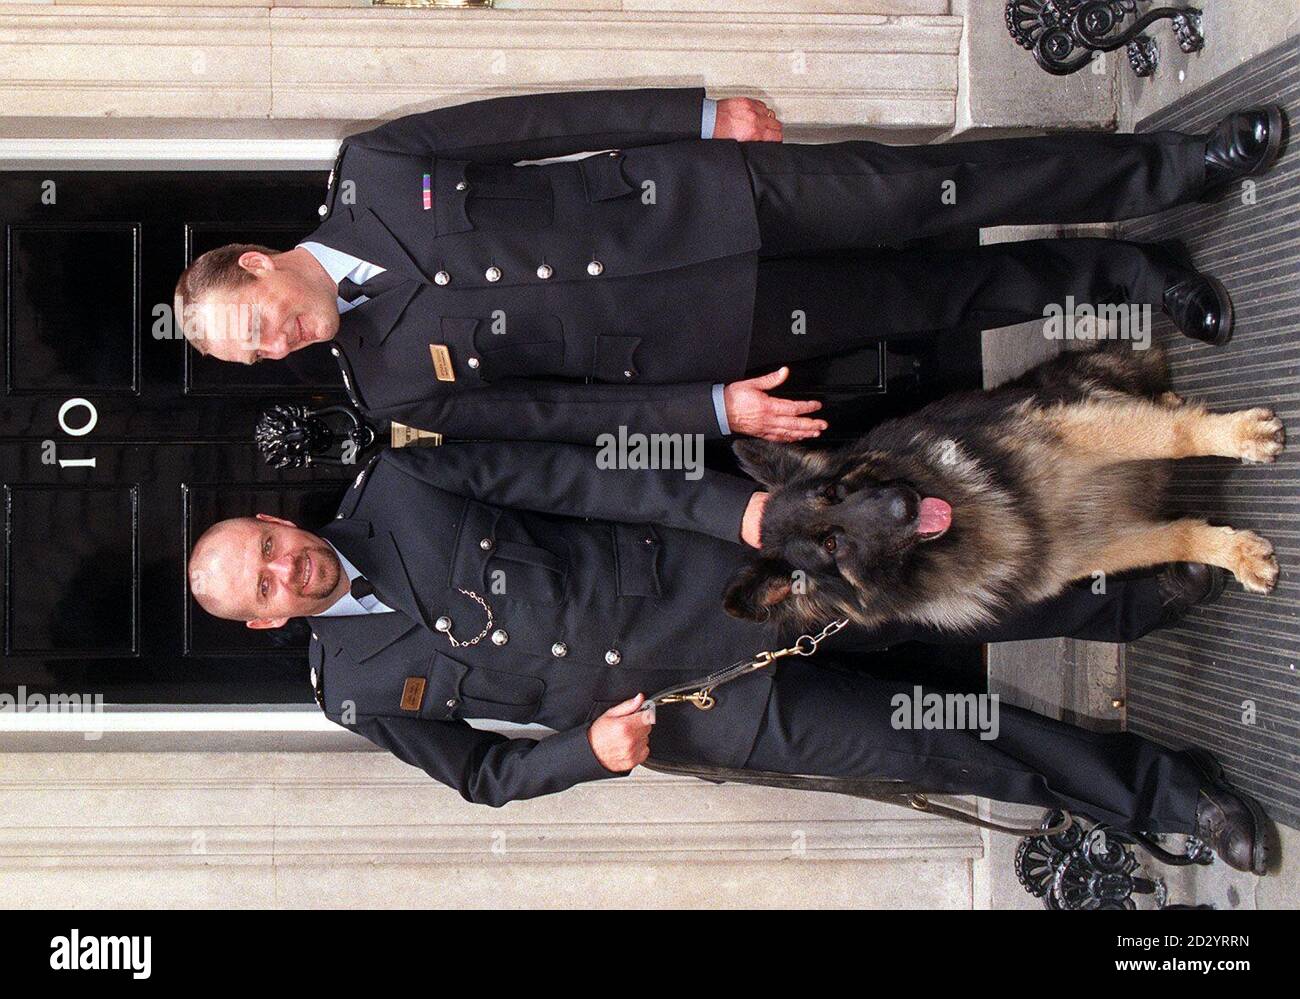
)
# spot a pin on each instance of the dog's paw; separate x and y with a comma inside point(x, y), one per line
point(1258, 435)
point(1253, 562)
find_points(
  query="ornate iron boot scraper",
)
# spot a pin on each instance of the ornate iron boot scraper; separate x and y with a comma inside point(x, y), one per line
point(1065, 35)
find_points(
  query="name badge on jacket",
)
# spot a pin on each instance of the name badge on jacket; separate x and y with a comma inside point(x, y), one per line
point(442, 368)
point(412, 693)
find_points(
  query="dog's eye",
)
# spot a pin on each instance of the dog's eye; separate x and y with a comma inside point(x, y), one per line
point(829, 543)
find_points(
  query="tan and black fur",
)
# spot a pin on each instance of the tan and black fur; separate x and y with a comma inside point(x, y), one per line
point(1055, 477)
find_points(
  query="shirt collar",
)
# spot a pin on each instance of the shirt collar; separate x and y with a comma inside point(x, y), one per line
point(347, 604)
point(337, 264)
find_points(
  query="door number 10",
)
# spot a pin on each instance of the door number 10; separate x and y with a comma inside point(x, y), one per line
point(92, 417)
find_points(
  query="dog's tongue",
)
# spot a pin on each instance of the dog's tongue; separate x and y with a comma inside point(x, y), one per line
point(935, 516)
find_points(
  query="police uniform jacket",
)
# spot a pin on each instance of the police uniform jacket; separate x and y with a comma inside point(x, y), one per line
point(555, 301)
point(594, 585)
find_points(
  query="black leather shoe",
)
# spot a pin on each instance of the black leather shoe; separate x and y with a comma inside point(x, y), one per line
point(1244, 144)
point(1198, 304)
point(1184, 585)
point(1230, 823)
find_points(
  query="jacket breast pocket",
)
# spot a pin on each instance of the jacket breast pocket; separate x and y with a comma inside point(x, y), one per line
point(636, 557)
point(492, 565)
point(519, 345)
point(456, 691)
point(604, 177)
point(526, 573)
point(489, 197)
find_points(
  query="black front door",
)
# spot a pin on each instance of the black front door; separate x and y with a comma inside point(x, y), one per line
point(119, 444)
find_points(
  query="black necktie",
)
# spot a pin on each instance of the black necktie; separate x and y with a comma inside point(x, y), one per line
point(349, 290)
point(361, 588)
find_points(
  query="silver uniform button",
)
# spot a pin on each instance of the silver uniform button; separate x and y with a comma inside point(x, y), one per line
point(472, 362)
point(613, 657)
point(322, 211)
point(452, 702)
point(485, 544)
point(595, 268)
point(461, 186)
point(627, 374)
point(442, 277)
point(559, 650)
point(493, 274)
point(500, 637)
point(443, 624)
point(545, 271)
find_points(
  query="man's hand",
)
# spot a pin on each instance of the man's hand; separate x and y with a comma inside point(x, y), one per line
point(751, 523)
point(750, 410)
point(620, 737)
point(746, 120)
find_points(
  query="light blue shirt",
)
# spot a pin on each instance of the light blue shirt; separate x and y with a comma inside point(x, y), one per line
point(708, 118)
point(348, 605)
point(339, 265)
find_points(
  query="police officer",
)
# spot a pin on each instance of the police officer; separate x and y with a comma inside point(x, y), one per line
point(518, 582)
point(664, 283)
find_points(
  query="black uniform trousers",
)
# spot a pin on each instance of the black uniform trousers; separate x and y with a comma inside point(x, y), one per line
point(830, 716)
point(816, 201)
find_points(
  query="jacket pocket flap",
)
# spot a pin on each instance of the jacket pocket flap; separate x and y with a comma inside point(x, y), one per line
point(603, 176)
point(636, 552)
point(614, 359)
point(440, 697)
point(478, 524)
point(458, 334)
point(451, 197)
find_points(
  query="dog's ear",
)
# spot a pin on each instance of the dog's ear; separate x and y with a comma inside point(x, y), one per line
point(757, 588)
point(772, 464)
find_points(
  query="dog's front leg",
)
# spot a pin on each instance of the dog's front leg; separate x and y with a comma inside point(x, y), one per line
point(1245, 554)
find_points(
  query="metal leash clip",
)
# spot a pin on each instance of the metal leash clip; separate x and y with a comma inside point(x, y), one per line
point(700, 692)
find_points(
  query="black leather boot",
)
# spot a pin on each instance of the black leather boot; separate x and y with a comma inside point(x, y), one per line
point(1244, 144)
point(1184, 585)
point(1230, 823)
point(1198, 304)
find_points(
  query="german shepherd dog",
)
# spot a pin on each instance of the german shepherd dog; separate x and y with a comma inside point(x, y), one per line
point(985, 502)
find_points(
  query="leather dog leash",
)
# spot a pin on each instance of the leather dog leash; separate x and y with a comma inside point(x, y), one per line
point(699, 692)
